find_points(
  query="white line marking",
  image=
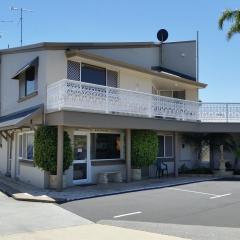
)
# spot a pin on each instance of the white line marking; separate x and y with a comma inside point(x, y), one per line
point(219, 196)
point(213, 196)
point(127, 214)
point(184, 190)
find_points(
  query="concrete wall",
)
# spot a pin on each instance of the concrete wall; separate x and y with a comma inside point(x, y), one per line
point(136, 82)
point(3, 157)
point(178, 56)
point(11, 63)
point(32, 175)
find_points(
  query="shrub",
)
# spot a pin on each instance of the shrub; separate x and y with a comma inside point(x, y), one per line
point(45, 149)
point(144, 148)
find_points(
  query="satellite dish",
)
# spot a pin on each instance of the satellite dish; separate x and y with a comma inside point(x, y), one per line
point(162, 35)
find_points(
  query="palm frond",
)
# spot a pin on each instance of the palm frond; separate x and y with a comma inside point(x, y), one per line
point(233, 30)
point(228, 15)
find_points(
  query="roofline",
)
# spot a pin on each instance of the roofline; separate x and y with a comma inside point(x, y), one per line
point(82, 53)
point(83, 45)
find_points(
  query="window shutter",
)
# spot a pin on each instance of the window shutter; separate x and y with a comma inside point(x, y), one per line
point(73, 70)
point(112, 79)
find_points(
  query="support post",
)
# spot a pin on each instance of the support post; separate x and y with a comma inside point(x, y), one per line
point(176, 153)
point(60, 158)
point(128, 155)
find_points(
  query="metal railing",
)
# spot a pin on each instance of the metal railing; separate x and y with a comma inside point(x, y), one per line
point(78, 96)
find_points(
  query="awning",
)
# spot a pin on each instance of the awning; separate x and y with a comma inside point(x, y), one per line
point(33, 63)
point(19, 119)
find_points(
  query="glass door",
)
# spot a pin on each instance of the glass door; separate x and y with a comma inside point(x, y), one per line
point(81, 163)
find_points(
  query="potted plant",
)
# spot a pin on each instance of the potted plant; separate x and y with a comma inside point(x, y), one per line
point(144, 151)
point(45, 152)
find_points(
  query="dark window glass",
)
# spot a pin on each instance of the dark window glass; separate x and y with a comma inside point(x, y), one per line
point(168, 146)
point(30, 80)
point(105, 146)
point(79, 171)
point(179, 94)
point(93, 74)
point(160, 146)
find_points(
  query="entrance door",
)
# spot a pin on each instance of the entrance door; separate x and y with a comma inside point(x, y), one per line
point(81, 163)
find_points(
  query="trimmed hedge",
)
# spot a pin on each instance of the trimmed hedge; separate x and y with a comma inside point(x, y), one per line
point(144, 148)
point(45, 149)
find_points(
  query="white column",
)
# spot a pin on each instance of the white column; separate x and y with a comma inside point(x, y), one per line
point(60, 158)
point(128, 155)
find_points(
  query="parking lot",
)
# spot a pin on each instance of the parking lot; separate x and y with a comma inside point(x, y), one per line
point(211, 203)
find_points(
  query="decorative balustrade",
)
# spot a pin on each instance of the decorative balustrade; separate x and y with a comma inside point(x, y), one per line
point(74, 95)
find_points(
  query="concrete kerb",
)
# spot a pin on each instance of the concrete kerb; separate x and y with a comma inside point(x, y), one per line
point(21, 196)
point(142, 189)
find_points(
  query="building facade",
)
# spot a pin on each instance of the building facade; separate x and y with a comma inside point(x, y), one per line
point(98, 93)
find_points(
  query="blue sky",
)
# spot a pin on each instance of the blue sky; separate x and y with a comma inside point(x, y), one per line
point(135, 20)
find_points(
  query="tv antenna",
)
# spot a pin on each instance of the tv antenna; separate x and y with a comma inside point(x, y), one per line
point(162, 36)
point(22, 10)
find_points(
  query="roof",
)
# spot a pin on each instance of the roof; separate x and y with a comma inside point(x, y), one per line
point(170, 76)
point(20, 118)
point(83, 45)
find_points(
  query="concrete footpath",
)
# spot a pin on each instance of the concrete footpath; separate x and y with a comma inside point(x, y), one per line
point(89, 232)
point(25, 192)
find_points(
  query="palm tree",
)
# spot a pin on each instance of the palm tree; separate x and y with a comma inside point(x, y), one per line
point(234, 17)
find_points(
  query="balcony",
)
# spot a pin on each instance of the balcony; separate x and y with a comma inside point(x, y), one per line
point(77, 96)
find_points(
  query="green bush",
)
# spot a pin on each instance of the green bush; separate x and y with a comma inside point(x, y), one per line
point(45, 149)
point(144, 148)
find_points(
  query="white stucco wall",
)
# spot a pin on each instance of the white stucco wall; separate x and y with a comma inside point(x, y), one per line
point(11, 63)
point(136, 82)
point(32, 175)
point(3, 157)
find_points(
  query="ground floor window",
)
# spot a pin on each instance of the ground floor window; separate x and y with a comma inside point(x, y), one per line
point(25, 145)
point(165, 146)
point(105, 146)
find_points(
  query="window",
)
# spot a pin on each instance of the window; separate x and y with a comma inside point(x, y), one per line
point(172, 94)
point(73, 70)
point(25, 145)
point(93, 74)
point(28, 83)
point(112, 78)
point(165, 146)
point(105, 146)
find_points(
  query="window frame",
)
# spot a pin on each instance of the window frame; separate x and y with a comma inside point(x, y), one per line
point(24, 151)
point(23, 81)
point(164, 149)
point(107, 68)
point(159, 92)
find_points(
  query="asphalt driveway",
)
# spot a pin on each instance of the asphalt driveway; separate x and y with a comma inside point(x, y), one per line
point(212, 203)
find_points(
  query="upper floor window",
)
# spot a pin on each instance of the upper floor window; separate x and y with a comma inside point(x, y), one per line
point(27, 77)
point(92, 74)
point(172, 94)
point(30, 81)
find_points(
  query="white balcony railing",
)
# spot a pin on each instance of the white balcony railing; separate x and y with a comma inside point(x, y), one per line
point(74, 95)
